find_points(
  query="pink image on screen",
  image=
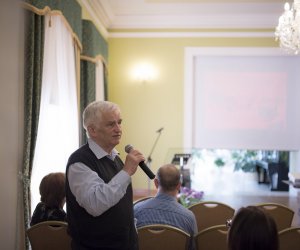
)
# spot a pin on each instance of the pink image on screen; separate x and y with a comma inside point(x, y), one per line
point(254, 100)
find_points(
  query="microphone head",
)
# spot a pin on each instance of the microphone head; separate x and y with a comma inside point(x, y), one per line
point(128, 148)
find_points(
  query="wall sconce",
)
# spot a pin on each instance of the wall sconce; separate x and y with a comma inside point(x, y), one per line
point(144, 72)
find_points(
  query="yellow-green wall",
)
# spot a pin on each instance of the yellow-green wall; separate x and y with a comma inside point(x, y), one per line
point(158, 103)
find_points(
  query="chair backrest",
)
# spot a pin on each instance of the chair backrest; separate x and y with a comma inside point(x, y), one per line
point(49, 235)
point(289, 238)
point(212, 238)
point(211, 213)
point(162, 237)
point(282, 215)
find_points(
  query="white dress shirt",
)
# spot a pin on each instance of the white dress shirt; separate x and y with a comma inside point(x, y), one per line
point(91, 192)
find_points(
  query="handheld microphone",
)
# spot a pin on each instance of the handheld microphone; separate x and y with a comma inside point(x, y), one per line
point(142, 164)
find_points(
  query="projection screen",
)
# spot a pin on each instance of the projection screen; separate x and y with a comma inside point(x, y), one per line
point(242, 98)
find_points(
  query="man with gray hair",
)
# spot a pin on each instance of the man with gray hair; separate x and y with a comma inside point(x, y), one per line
point(98, 184)
point(164, 207)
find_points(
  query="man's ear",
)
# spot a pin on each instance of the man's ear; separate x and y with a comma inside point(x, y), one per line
point(91, 130)
point(156, 183)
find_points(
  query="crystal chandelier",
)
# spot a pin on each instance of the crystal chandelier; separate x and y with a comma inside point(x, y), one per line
point(288, 29)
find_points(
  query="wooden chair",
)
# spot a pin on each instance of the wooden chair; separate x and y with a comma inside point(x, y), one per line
point(211, 213)
point(289, 238)
point(49, 235)
point(282, 215)
point(162, 237)
point(212, 238)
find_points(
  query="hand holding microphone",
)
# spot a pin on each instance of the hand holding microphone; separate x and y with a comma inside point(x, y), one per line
point(142, 164)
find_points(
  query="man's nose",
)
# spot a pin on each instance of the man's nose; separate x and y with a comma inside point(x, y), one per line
point(118, 126)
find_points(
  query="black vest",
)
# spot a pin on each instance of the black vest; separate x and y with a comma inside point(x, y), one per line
point(114, 229)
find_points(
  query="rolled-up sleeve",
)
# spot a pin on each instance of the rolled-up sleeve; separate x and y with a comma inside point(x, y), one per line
point(92, 193)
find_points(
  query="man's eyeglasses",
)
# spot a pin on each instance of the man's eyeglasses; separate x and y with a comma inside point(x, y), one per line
point(228, 223)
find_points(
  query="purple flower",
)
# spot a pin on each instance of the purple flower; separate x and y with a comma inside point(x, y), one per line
point(197, 195)
point(189, 196)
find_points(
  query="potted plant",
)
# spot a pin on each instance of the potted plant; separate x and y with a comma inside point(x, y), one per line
point(245, 160)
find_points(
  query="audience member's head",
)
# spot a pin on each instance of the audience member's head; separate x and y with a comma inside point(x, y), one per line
point(167, 179)
point(252, 229)
point(52, 190)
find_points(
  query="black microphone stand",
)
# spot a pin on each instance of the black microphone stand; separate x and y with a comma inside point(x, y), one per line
point(149, 159)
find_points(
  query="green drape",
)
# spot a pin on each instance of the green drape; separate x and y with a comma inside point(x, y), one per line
point(71, 10)
point(93, 45)
point(34, 50)
point(105, 83)
point(87, 89)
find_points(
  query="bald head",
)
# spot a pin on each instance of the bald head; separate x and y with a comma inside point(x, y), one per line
point(168, 177)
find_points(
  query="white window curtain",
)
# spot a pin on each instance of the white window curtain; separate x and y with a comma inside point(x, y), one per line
point(58, 134)
point(99, 81)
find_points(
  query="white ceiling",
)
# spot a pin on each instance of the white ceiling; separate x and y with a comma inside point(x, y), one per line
point(111, 15)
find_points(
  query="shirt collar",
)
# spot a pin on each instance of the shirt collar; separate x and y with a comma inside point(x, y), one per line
point(162, 195)
point(100, 152)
